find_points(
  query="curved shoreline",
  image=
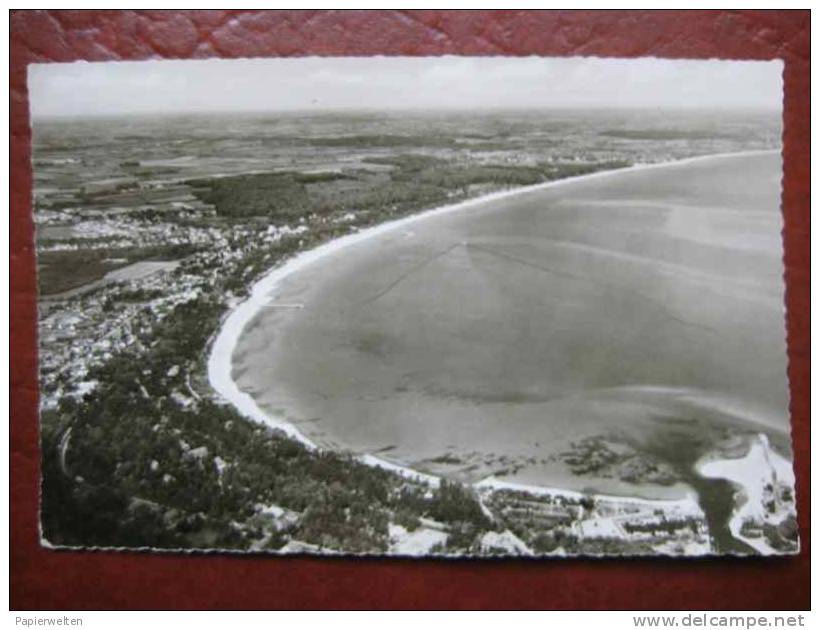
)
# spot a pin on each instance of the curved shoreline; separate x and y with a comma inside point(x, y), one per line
point(745, 473)
point(220, 364)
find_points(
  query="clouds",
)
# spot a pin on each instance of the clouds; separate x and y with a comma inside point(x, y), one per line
point(398, 83)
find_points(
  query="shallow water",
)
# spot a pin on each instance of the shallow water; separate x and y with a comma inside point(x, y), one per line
point(489, 339)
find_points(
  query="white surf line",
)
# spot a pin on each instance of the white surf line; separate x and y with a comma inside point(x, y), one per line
point(283, 305)
point(220, 359)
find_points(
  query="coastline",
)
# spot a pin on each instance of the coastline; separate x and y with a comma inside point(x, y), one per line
point(220, 365)
point(750, 473)
point(687, 503)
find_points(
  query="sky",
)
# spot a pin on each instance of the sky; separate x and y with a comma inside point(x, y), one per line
point(398, 83)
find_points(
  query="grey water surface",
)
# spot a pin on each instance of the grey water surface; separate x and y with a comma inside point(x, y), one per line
point(487, 340)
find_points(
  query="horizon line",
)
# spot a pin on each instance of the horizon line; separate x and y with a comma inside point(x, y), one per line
point(308, 110)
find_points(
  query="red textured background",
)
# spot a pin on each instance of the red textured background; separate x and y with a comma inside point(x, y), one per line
point(43, 579)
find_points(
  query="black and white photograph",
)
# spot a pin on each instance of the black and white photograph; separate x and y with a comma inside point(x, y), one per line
point(413, 306)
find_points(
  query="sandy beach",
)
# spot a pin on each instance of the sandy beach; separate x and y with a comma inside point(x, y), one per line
point(755, 475)
point(223, 373)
